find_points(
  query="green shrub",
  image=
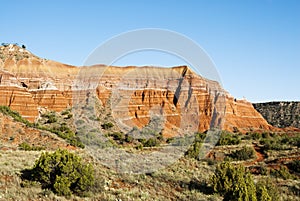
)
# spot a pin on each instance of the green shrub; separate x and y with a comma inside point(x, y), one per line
point(265, 135)
point(62, 172)
point(26, 147)
point(69, 116)
point(51, 117)
point(65, 112)
point(107, 125)
point(280, 142)
point(194, 150)
point(66, 133)
point(262, 193)
point(295, 140)
point(282, 172)
point(266, 190)
point(255, 136)
point(117, 135)
point(228, 139)
point(15, 115)
point(128, 138)
point(243, 154)
point(151, 142)
point(294, 166)
point(233, 182)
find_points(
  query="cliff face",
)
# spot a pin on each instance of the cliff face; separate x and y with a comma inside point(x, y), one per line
point(184, 99)
point(28, 82)
point(280, 114)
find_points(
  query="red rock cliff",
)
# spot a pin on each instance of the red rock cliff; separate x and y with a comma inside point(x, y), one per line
point(184, 98)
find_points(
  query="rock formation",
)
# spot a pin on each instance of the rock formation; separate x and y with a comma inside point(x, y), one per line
point(135, 94)
point(280, 114)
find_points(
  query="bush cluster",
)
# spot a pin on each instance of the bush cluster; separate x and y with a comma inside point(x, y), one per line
point(51, 117)
point(279, 142)
point(62, 172)
point(254, 136)
point(243, 154)
point(266, 190)
point(122, 138)
point(194, 150)
point(236, 183)
point(283, 173)
point(26, 147)
point(294, 166)
point(107, 125)
point(151, 142)
point(228, 139)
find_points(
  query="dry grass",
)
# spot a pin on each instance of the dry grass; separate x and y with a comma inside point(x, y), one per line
point(186, 179)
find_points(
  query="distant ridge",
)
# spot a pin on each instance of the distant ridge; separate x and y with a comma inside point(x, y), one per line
point(280, 113)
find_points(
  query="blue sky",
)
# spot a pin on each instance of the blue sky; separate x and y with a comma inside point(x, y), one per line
point(254, 44)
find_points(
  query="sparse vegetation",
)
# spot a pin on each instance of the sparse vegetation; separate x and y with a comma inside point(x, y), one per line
point(26, 147)
point(123, 139)
point(62, 131)
point(15, 115)
point(117, 135)
point(186, 179)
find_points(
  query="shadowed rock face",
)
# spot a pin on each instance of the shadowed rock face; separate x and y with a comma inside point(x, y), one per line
point(182, 97)
point(280, 114)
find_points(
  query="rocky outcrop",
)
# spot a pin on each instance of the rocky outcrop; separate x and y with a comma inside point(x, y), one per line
point(28, 82)
point(241, 116)
point(280, 114)
point(184, 99)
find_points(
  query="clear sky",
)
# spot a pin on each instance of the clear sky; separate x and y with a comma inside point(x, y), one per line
point(254, 44)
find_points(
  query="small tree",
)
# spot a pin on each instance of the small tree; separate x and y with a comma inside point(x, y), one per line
point(63, 172)
point(194, 150)
point(234, 183)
